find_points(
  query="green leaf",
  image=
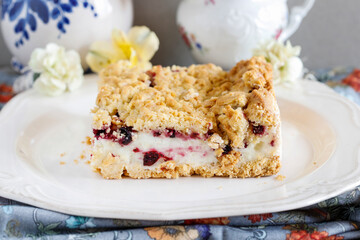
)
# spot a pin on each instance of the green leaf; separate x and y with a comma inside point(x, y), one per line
point(287, 217)
point(297, 227)
point(40, 227)
point(35, 76)
point(52, 226)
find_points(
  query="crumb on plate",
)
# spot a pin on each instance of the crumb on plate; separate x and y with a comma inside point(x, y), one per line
point(88, 140)
point(280, 177)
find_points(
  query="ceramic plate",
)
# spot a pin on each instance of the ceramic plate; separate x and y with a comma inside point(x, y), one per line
point(44, 161)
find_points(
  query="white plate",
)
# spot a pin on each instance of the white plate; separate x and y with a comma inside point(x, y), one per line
point(321, 143)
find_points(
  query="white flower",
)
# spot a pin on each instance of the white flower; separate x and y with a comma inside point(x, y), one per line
point(287, 66)
point(59, 70)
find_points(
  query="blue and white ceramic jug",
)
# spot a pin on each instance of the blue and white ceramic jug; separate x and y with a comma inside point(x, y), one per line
point(74, 24)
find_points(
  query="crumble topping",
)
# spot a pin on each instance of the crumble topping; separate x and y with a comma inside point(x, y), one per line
point(101, 119)
point(235, 107)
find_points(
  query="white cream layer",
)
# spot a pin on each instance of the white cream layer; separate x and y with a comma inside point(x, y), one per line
point(194, 152)
point(262, 147)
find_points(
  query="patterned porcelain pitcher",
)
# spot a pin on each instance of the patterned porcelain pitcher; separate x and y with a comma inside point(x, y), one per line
point(225, 31)
point(75, 24)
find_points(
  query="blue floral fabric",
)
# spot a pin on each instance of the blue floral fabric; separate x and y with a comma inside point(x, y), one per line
point(334, 219)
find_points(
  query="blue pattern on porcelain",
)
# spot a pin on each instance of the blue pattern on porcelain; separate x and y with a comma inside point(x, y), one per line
point(73, 24)
point(16, 65)
point(28, 12)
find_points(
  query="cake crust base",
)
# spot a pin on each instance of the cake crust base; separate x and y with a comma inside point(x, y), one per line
point(113, 168)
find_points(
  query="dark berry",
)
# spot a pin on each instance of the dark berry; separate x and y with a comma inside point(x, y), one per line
point(208, 134)
point(245, 145)
point(227, 149)
point(156, 133)
point(272, 143)
point(259, 130)
point(97, 132)
point(127, 136)
point(136, 150)
point(194, 135)
point(150, 158)
point(171, 133)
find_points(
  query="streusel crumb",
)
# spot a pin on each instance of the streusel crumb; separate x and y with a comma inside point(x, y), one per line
point(201, 98)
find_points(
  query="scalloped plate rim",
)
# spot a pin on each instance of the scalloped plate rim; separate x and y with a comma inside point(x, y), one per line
point(224, 210)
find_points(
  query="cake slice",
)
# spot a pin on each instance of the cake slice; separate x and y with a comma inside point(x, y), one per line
point(175, 121)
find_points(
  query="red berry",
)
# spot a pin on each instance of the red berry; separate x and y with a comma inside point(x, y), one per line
point(258, 130)
point(150, 158)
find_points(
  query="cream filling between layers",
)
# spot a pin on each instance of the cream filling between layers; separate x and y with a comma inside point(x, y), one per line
point(193, 152)
point(262, 147)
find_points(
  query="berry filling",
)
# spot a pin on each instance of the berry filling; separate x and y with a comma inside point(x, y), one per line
point(122, 135)
point(127, 136)
point(258, 130)
point(227, 149)
point(151, 157)
point(156, 133)
point(194, 135)
point(172, 133)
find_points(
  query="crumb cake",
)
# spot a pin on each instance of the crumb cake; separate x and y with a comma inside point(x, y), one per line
point(174, 121)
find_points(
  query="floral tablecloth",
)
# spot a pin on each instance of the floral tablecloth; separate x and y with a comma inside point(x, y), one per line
point(335, 218)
